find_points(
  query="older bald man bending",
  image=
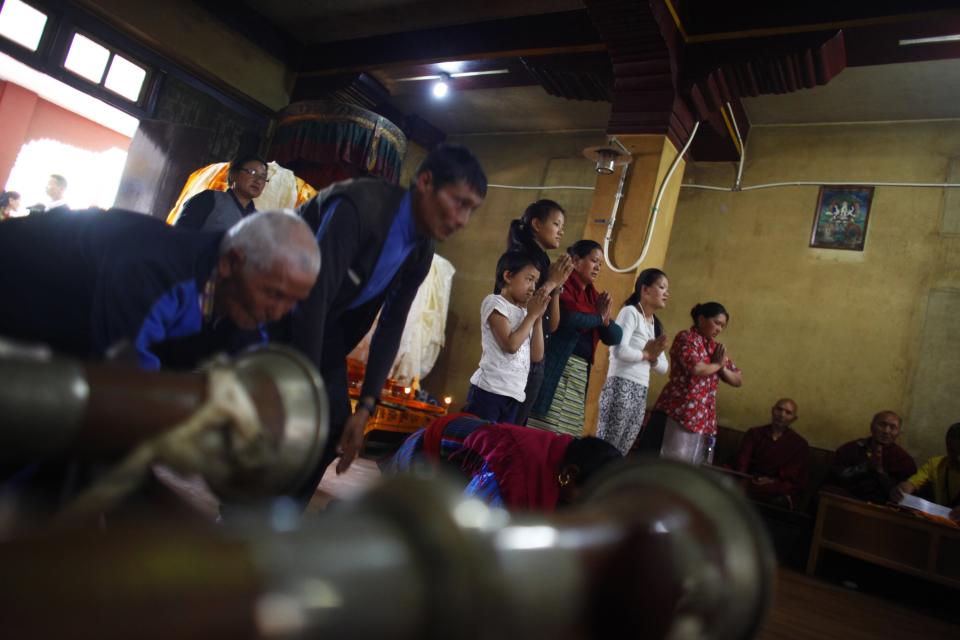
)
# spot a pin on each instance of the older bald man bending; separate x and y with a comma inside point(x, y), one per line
point(84, 282)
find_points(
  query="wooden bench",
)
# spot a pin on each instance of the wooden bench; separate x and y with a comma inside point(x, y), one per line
point(790, 530)
point(728, 443)
point(886, 536)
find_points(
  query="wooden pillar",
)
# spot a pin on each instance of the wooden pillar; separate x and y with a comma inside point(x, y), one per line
point(652, 156)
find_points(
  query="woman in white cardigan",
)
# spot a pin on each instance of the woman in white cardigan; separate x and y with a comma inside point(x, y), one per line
point(623, 400)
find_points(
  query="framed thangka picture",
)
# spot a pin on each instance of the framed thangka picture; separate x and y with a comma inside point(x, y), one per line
point(841, 218)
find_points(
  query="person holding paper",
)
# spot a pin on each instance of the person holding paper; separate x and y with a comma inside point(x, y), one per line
point(869, 468)
point(941, 474)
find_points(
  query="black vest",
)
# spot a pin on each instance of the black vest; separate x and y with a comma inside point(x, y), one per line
point(376, 203)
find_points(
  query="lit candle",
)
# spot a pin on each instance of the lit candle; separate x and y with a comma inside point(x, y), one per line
point(447, 400)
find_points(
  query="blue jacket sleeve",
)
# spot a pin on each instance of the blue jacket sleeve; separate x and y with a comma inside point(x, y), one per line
point(175, 314)
point(580, 321)
point(611, 334)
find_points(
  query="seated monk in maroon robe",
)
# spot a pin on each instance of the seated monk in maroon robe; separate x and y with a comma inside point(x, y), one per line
point(776, 457)
point(869, 468)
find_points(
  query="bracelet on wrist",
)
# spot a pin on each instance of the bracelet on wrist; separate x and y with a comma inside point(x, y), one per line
point(368, 404)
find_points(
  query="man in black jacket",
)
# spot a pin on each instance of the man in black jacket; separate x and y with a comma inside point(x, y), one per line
point(377, 242)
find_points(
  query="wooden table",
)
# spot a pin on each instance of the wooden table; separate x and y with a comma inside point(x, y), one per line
point(887, 536)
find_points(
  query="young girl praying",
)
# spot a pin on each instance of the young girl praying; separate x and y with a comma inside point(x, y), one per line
point(511, 333)
point(537, 231)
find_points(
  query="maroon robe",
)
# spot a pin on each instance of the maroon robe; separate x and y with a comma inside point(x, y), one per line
point(784, 460)
point(524, 461)
point(851, 471)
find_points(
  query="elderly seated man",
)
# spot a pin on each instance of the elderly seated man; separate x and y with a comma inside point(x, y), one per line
point(941, 474)
point(88, 282)
point(869, 468)
point(776, 457)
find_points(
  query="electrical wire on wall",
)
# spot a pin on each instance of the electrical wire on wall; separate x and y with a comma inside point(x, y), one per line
point(654, 211)
point(540, 188)
point(737, 187)
point(625, 167)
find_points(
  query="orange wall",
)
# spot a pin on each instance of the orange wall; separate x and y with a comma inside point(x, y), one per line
point(55, 122)
point(27, 117)
point(16, 111)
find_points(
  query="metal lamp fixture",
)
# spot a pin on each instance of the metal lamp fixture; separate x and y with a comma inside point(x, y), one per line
point(606, 158)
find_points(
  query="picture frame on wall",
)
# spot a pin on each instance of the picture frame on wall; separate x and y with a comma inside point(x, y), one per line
point(840, 221)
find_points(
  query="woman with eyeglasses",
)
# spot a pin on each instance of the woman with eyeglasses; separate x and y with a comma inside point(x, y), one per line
point(212, 209)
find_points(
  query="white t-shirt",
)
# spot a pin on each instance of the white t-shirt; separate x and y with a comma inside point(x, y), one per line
point(504, 374)
point(626, 359)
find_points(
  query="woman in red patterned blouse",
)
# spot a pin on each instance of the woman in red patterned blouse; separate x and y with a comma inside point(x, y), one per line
point(686, 411)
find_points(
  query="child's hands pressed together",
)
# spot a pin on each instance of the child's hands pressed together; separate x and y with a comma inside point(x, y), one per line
point(538, 303)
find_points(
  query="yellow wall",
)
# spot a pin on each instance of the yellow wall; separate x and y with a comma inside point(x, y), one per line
point(514, 159)
point(192, 37)
point(652, 157)
point(844, 333)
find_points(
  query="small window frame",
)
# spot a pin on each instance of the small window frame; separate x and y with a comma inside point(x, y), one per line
point(113, 52)
point(44, 33)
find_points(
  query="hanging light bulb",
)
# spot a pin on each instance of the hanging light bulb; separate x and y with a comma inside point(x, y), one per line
point(606, 158)
point(442, 86)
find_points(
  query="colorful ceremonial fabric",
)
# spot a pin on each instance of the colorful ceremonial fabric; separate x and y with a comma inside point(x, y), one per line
point(566, 411)
point(329, 141)
point(691, 400)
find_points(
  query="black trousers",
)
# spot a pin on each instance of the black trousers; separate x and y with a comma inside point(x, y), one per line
point(534, 382)
point(335, 381)
point(651, 438)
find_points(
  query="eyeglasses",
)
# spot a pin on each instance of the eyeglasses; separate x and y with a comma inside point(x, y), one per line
point(256, 175)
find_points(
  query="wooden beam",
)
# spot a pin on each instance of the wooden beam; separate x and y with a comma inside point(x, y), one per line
point(551, 33)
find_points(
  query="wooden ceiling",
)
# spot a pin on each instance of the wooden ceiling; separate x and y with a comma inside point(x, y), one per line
point(661, 64)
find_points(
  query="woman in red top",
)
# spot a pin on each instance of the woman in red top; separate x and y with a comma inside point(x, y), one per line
point(684, 419)
point(584, 322)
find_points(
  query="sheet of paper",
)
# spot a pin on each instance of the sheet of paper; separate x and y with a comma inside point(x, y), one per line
point(919, 504)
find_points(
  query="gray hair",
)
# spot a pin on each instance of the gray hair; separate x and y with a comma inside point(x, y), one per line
point(268, 237)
